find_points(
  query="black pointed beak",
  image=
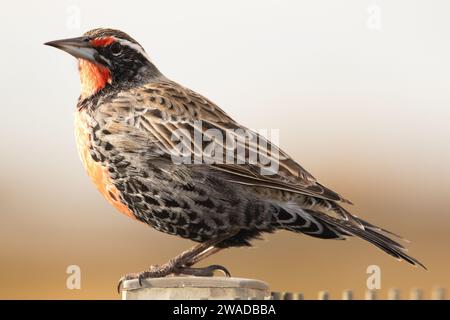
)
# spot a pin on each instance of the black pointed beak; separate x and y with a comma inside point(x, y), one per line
point(78, 47)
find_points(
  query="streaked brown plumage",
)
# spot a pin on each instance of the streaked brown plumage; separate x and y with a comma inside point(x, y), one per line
point(126, 117)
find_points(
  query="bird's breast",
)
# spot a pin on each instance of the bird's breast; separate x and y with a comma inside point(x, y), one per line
point(97, 171)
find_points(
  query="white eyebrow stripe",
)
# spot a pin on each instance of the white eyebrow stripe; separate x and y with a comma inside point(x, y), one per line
point(134, 46)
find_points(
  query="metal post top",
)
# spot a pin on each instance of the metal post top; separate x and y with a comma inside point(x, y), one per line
point(195, 282)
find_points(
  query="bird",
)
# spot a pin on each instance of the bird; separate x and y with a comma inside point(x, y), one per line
point(129, 123)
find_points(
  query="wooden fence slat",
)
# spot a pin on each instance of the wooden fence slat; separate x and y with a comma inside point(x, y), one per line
point(394, 294)
point(324, 295)
point(292, 296)
point(416, 294)
point(288, 296)
point(276, 295)
point(347, 295)
point(370, 295)
point(438, 294)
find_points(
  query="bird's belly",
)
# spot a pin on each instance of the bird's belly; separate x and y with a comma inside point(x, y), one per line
point(97, 172)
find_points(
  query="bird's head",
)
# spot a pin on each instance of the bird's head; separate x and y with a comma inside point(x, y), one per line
point(107, 57)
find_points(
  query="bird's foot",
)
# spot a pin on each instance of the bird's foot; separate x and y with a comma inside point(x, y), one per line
point(161, 271)
point(153, 271)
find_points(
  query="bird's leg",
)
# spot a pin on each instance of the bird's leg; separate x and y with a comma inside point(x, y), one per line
point(177, 264)
point(171, 266)
point(205, 254)
point(182, 263)
point(205, 271)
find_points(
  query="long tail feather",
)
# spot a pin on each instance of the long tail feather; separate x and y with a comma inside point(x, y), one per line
point(318, 224)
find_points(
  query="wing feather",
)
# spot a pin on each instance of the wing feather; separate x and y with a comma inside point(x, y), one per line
point(163, 108)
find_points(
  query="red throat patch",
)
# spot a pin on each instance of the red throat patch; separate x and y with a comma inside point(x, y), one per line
point(93, 77)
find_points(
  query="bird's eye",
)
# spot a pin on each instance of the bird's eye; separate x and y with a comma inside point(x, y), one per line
point(116, 48)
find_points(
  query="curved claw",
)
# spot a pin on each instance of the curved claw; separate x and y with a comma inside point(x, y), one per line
point(119, 285)
point(152, 272)
point(203, 272)
point(221, 268)
point(140, 277)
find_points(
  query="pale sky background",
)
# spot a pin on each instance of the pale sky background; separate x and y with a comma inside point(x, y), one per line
point(361, 102)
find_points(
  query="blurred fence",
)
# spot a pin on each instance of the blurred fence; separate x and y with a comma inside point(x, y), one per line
point(392, 294)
